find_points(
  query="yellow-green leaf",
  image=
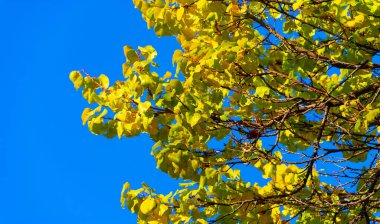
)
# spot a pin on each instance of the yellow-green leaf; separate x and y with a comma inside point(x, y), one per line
point(87, 113)
point(104, 81)
point(144, 106)
point(130, 54)
point(177, 55)
point(195, 119)
point(262, 91)
point(372, 114)
point(76, 78)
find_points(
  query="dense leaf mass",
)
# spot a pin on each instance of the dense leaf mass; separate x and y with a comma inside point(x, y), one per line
point(287, 87)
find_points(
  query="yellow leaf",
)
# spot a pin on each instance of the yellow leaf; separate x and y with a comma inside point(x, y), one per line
point(180, 12)
point(258, 164)
point(275, 14)
point(194, 119)
point(176, 56)
point(278, 154)
point(167, 75)
point(144, 106)
point(85, 115)
point(359, 18)
point(202, 182)
point(194, 164)
point(202, 4)
point(88, 113)
point(147, 205)
point(119, 129)
point(126, 186)
point(77, 79)
point(163, 209)
point(297, 5)
point(350, 23)
point(104, 81)
point(202, 221)
point(159, 13)
point(122, 197)
point(74, 75)
point(289, 179)
point(268, 170)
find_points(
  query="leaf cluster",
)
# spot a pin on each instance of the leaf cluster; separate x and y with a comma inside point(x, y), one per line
point(288, 87)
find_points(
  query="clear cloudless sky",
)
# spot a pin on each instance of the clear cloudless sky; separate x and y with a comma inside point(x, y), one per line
point(52, 169)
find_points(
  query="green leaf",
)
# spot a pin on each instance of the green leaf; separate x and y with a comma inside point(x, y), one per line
point(372, 114)
point(210, 173)
point(175, 156)
point(176, 85)
point(130, 54)
point(358, 126)
point(146, 80)
point(159, 3)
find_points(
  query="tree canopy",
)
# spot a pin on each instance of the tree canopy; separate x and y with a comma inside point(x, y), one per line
point(288, 89)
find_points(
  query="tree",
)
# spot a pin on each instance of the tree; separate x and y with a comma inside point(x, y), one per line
point(288, 89)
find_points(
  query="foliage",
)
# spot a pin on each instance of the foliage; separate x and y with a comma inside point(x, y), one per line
point(289, 88)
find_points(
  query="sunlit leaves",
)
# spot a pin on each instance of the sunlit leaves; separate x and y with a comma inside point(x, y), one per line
point(261, 91)
point(76, 78)
point(130, 54)
point(103, 80)
point(147, 205)
point(88, 113)
point(285, 88)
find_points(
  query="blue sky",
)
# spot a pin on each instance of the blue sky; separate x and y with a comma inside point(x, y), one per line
point(52, 170)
